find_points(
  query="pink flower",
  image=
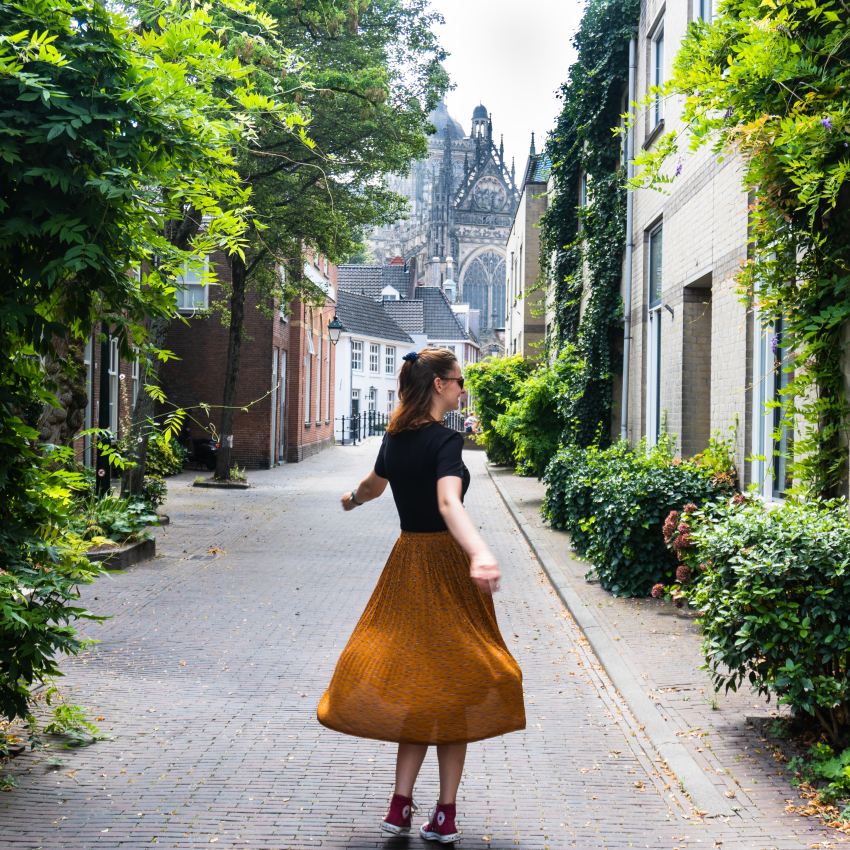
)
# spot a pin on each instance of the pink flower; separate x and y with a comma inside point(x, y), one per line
point(657, 591)
point(683, 574)
point(689, 508)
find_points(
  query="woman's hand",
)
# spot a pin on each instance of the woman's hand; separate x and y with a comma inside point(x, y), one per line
point(347, 501)
point(484, 571)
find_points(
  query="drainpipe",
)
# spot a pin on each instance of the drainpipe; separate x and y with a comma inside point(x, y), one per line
point(630, 248)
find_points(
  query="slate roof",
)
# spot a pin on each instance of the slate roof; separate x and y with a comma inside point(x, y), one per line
point(439, 318)
point(360, 314)
point(408, 314)
point(370, 279)
point(362, 279)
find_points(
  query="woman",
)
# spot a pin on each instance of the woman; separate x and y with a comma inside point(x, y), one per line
point(426, 664)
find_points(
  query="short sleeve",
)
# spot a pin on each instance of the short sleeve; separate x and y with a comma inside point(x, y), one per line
point(449, 461)
point(380, 461)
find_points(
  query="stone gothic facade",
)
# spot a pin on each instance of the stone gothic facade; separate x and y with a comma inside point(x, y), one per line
point(462, 201)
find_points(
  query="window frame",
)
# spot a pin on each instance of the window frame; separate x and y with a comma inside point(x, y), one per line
point(357, 355)
point(389, 360)
point(374, 358)
point(182, 288)
point(655, 75)
point(654, 297)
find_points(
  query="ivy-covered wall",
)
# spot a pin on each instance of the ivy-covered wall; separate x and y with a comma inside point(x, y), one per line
point(584, 228)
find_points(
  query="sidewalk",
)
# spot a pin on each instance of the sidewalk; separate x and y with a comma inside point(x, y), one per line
point(712, 741)
point(208, 674)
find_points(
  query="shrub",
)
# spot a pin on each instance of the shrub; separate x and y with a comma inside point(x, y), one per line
point(165, 456)
point(154, 491)
point(825, 770)
point(114, 518)
point(536, 420)
point(775, 604)
point(494, 384)
point(614, 502)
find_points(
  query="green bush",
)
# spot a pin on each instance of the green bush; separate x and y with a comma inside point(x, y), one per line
point(494, 383)
point(165, 457)
point(775, 604)
point(827, 771)
point(614, 501)
point(116, 519)
point(154, 491)
point(536, 420)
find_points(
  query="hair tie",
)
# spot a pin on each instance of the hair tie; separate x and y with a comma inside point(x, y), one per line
point(411, 356)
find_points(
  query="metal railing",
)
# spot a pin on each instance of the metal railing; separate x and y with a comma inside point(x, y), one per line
point(351, 430)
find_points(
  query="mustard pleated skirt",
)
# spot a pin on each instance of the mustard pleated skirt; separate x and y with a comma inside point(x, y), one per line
point(426, 663)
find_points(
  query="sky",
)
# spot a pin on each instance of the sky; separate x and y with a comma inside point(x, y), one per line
point(512, 56)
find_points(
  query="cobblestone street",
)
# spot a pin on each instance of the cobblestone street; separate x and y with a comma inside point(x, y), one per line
point(208, 674)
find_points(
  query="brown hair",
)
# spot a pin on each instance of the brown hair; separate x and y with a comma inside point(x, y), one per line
point(415, 382)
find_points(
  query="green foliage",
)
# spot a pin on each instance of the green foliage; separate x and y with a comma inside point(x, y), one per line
point(775, 603)
point(165, 456)
point(117, 519)
point(536, 421)
point(825, 770)
point(494, 384)
point(614, 502)
point(582, 245)
point(770, 80)
point(154, 491)
point(70, 722)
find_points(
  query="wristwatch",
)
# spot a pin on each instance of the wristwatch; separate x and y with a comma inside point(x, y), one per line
point(354, 498)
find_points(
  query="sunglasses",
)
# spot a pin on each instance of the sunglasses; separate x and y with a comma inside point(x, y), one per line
point(459, 381)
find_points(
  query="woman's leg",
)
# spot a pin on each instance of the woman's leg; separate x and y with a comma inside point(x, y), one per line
point(408, 762)
point(451, 758)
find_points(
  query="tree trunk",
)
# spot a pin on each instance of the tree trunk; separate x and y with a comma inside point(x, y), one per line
point(66, 377)
point(231, 368)
point(143, 411)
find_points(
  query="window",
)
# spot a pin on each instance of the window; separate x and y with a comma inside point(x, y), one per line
point(308, 376)
point(328, 349)
point(655, 275)
point(114, 385)
point(389, 360)
point(374, 357)
point(705, 10)
point(390, 401)
point(372, 399)
point(357, 355)
point(192, 294)
point(135, 374)
point(656, 75)
point(319, 381)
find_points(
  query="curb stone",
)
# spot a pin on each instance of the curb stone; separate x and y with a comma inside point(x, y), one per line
point(704, 795)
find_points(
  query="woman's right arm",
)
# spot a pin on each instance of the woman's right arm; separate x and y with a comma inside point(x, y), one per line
point(483, 567)
point(369, 488)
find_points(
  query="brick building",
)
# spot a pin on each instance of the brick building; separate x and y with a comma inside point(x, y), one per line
point(700, 361)
point(285, 376)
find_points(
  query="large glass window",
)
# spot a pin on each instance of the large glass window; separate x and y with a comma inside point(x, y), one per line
point(389, 360)
point(319, 381)
point(390, 401)
point(372, 399)
point(705, 10)
point(308, 375)
point(374, 358)
point(114, 385)
point(357, 355)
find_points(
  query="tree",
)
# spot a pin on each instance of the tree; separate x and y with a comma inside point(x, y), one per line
point(769, 79)
point(104, 142)
point(369, 75)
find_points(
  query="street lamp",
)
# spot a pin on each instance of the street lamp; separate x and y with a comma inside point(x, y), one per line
point(335, 328)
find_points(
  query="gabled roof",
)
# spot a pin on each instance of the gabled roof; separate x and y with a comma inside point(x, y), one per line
point(408, 314)
point(439, 319)
point(370, 278)
point(360, 314)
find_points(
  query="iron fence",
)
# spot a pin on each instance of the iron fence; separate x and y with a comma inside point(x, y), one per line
point(350, 430)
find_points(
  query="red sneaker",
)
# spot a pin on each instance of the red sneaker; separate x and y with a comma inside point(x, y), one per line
point(397, 820)
point(441, 827)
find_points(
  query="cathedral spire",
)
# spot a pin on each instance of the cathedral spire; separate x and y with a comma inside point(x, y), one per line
point(502, 148)
point(533, 152)
point(513, 170)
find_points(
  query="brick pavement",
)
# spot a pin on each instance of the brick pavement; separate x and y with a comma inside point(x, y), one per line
point(209, 672)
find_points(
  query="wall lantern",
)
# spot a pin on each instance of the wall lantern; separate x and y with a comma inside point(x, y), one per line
point(334, 329)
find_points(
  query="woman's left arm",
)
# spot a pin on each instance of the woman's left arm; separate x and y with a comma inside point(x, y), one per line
point(369, 488)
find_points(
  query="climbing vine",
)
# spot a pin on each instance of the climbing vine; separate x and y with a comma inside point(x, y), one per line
point(584, 227)
point(769, 80)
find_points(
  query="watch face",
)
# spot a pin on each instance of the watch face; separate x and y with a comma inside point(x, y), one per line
point(489, 195)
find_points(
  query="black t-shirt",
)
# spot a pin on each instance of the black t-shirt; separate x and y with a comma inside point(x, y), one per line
point(412, 461)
